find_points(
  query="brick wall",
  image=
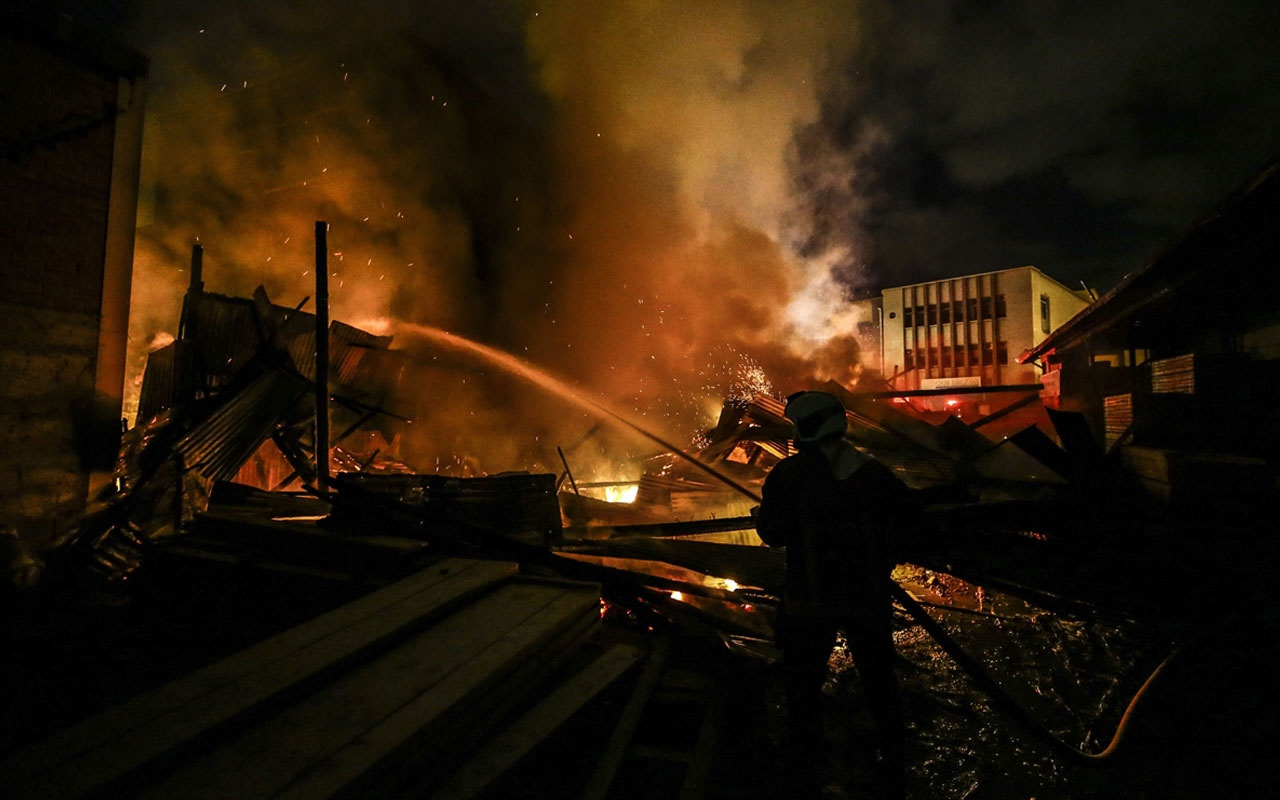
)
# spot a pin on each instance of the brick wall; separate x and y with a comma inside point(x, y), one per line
point(56, 172)
point(58, 123)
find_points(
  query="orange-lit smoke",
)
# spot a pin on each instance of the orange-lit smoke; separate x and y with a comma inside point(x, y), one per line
point(620, 211)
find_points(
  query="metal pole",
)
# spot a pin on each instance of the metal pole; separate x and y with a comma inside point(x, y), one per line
point(322, 357)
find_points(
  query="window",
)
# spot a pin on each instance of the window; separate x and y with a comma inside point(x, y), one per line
point(986, 308)
point(944, 313)
point(971, 308)
point(933, 314)
point(1000, 312)
point(906, 318)
point(986, 353)
point(909, 358)
point(1002, 353)
point(1044, 313)
point(919, 315)
point(946, 356)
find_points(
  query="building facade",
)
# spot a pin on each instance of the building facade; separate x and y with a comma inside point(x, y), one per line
point(71, 112)
point(967, 332)
point(1177, 368)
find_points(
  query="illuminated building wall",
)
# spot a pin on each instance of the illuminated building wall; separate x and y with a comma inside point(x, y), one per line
point(968, 331)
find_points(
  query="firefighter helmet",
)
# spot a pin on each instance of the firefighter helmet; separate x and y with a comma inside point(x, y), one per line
point(816, 416)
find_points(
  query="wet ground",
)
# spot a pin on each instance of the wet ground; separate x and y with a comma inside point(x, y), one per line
point(1165, 691)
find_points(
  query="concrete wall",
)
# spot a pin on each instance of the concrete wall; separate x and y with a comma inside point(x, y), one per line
point(70, 142)
point(1017, 291)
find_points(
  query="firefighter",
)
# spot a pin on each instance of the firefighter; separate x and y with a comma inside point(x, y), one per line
point(835, 510)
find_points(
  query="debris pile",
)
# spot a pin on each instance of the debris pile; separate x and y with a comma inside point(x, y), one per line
point(222, 470)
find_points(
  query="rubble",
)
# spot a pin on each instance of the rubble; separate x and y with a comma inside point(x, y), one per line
point(222, 475)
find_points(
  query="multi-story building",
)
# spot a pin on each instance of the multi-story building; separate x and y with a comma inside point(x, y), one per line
point(968, 331)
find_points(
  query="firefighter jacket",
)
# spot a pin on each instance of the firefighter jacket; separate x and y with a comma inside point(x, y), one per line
point(838, 518)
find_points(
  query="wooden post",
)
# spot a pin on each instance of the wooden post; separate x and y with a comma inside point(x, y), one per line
point(194, 288)
point(197, 269)
point(322, 358)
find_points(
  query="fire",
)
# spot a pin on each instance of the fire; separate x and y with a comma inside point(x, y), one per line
point(667, 159)
point(625, 493)
point(724, 584)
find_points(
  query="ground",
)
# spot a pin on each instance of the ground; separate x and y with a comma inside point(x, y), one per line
point(1203, 727)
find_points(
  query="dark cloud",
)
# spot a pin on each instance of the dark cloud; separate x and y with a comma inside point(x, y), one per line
point(1076, 136)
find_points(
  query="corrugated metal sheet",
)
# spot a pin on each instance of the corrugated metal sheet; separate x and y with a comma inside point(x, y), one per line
point(225, 332)
point(298, 332)
point(170, 379)
point(342, 333)
point(360, 363)
point(223, 441)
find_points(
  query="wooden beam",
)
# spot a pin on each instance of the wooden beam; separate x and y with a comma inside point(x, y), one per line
point(518, 739)
point(89, 756)
point(334, 737)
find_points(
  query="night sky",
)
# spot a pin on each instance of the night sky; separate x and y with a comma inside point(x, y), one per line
point(1078, 137)
point(647, 195)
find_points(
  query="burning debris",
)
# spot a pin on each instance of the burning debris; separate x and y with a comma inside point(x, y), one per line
point(214, 470)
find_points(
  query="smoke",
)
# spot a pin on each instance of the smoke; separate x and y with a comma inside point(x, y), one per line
point(673, 143)
point(1079, 137)
point(606, 190)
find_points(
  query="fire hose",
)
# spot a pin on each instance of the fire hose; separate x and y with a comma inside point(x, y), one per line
point(1002, 700)
point(971, 667)
point(1005, 703)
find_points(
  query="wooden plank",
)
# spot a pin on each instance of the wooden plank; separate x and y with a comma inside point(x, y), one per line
point(464, 647)
point(429, 756)
point(104, 748)
point(517, 740)
point(342, 768)
point(607, 766)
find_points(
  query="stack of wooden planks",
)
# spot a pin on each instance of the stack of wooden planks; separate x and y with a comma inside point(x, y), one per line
point(389, 694)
